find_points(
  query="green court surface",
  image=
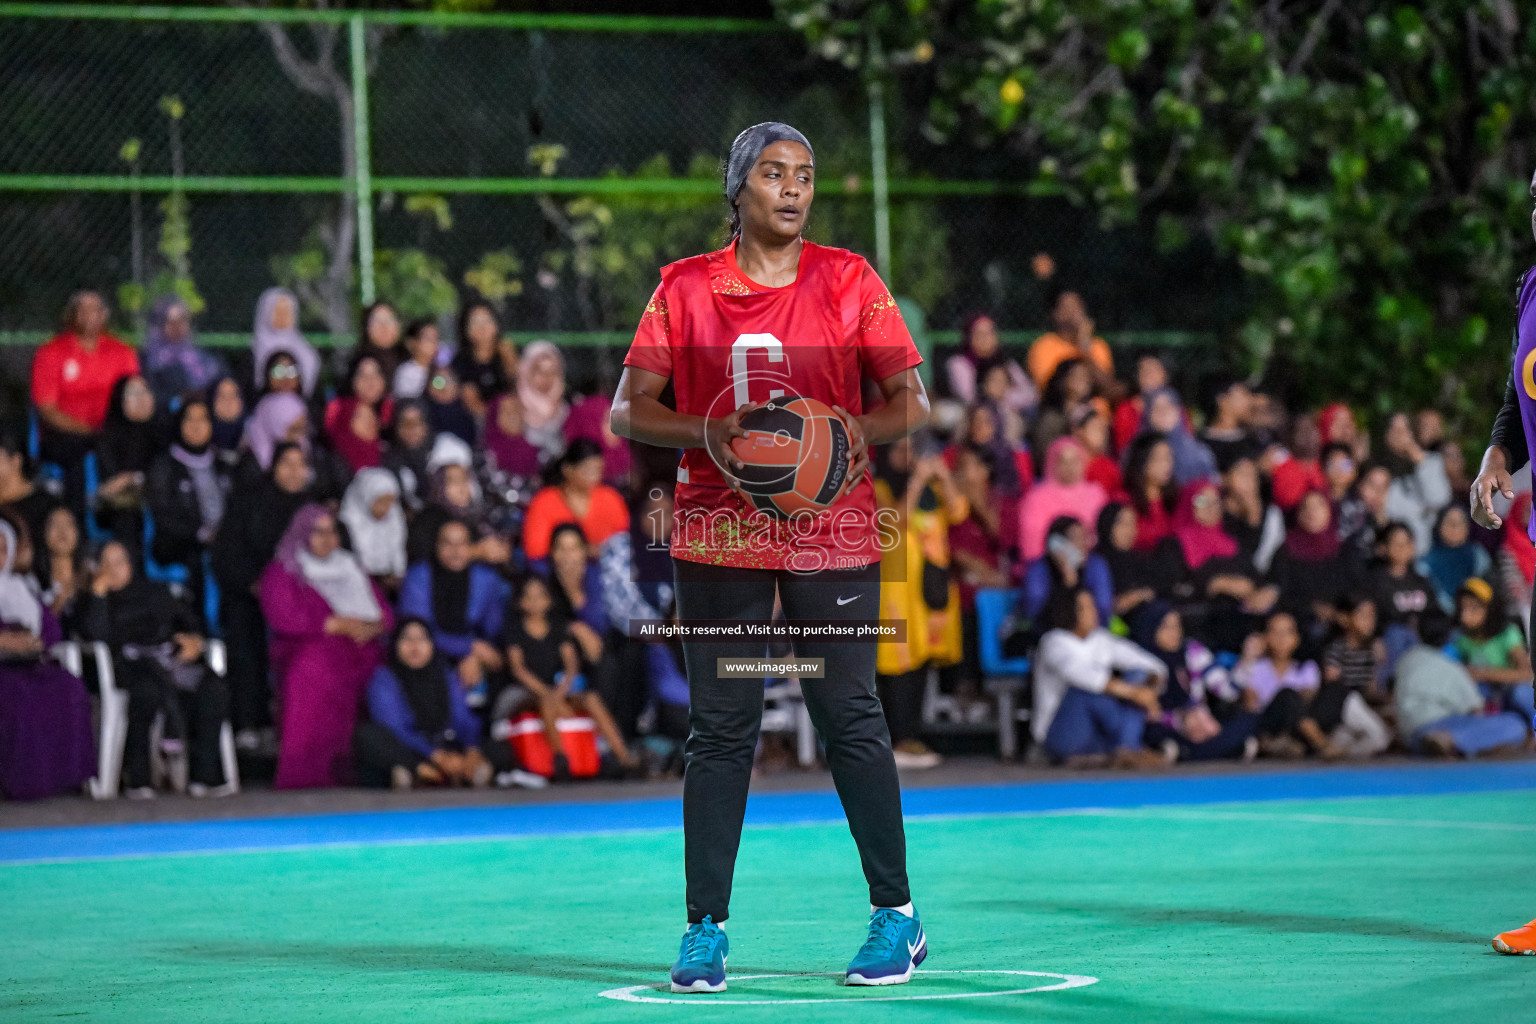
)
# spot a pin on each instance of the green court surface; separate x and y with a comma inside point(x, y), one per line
point(1297, 911)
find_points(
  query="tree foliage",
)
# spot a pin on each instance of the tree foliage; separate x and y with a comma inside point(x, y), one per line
point(1365, 163)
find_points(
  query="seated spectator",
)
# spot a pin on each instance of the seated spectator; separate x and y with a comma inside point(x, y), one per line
point(73, 377)
point(1072, 338)
point(1454, 458)
point(226, 405)
point(1400, 594)
point(1068, 564)
point(18, 493)
point(1011, 425)
point(1336, 425)
point(1234, 595)
point(1149, 484)
point(279, 418)
point(505, 443)
point(277, 334)
point(576, 586)
point(326, 620)
point(1256, 525)
point(47, 746)
point(1440, 711)
point(59, 567)
point(463, 603)
point(1493, 650)
point(1013, 467)
point(918, 586)
point(157, 651)
point(130, 440)
point(1138, 576)
point(1061, 491)
point(282, 374)
point(978, 544)
point(355, 423)
point(1187, 729)
point(188, 491)
point(420, 732)
point(172, 361)
point(455, 494)
point(636, 571)
point(1357, 662)
point(1226, 431)
point(589, 421)
point(1419, 488)
point(541, 389)
point(1516, 558)
point(375, 522)
point(1341, 471)
point(446, 410)
point(1164, 417)
point(578, 496)
point(545, 665)
point(1086, 712)
point(1454, 557)
point(1091, 430)
point(1151, 376)
point(485, 363)
point(409, 449)
point(1296, 711)
point(1068, 393)
point(1298, 470)
point(380, 340)
point(422, 347)
point(980, 351)
point(1363, 515)
point(257, 515)
point(1309, 568)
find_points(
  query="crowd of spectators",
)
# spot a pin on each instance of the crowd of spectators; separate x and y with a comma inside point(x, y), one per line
point(409, 545)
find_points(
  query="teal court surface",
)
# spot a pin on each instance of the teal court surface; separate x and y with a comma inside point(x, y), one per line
point(1303, 896)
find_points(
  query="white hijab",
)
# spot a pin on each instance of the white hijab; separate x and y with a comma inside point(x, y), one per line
point(341, 581)
point(19, 605)
point(378, 543)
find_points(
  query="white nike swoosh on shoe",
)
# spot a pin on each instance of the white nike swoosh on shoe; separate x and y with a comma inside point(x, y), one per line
point(848, 600)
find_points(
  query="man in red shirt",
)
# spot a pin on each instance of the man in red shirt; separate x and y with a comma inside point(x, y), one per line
point(773, 315)
point(72, 379)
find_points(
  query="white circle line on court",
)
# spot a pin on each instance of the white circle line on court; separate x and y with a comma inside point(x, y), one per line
point(631, 993)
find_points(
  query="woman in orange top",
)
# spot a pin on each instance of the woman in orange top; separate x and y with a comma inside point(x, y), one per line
point(580, 497)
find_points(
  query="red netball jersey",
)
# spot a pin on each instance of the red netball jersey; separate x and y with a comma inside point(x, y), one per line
point(726, 341)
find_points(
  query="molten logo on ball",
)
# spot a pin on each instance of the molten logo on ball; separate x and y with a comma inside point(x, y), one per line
point(795, 456)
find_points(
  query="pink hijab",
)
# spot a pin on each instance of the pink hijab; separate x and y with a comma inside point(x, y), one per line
point(1050, 498)
point(1200, 543)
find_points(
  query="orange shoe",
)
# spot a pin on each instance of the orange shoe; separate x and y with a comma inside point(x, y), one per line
point(1518, 942)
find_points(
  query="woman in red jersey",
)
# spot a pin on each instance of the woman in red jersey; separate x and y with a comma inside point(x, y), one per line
point(772, 314)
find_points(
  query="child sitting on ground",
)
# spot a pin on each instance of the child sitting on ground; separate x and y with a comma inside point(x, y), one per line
point(1493, 650)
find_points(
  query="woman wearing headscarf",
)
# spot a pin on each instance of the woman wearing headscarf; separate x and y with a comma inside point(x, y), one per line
point(130, 440)
point(577, 495)
point(1062, 491)
point(256, 516)
point(278, 418)
point(505, 440)
point(419, 731)
point(1419, 488)
point(1310, 568)
point(157, 650)
point(485, 362)
point(277, 330)
point(1232, 594)
point(1189, 729)
point(1068, 562)
point(187, 491)
point(979, 353)
point(1164, 415)
point(1516, 558)
point(46, 743)
point(589, 421)
point(461, 601)
point(227, 409)
point(541, 388)
point(408, 451)
point(171, 360)
point(1454, 557)
point(355, 422)
point(453, 493)
point(326, 619)
point(375, 522)
point(1138, 575)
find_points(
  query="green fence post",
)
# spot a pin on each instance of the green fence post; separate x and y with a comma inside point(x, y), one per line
point(877, 162)
point(362, 181)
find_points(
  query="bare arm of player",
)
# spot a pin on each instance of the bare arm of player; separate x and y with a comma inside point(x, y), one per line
point(639, 415)
point(905, 410)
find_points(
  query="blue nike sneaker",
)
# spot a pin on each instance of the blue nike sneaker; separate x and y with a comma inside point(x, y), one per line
point(895, 946)
point(700, 963)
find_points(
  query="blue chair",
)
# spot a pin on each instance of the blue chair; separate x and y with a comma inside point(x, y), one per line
point(178, 575)
point(93, 531)
point(49, 474)
point(1003, 677)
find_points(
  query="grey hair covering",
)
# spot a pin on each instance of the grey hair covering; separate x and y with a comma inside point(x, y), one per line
point(749, 145)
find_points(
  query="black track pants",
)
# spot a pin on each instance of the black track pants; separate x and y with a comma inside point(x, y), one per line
point(725, 716)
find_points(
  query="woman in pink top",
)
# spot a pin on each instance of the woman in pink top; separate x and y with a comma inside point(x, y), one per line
point(1062, 491)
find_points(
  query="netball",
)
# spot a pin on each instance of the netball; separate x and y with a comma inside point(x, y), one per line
point(795, 456)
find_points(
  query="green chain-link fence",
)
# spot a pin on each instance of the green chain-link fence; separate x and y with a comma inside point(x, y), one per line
point(549, 162)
